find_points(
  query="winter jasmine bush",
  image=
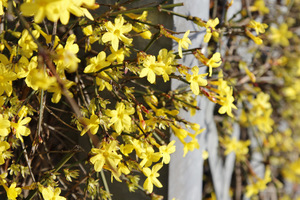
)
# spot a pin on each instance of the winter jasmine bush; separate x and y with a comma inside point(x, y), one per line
point(66, 73)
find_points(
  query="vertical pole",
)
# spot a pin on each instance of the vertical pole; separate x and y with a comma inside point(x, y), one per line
point(185, 174)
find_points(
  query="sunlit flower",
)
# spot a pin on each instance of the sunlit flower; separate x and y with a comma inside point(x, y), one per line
point(258, 27)
point(196, 80)
point(151, 69)
point(91, 124)
point(120, 118)
point(214, 61)
point(211, 29)
point(50, 193)
point(227, 103)
point(6, 78)
point(20, 129)
point(166, 150)
point(4, 125)
point(67, 59)
point(27, 43)
point(13, 191)
point(56, 9)
point(152, 177)
point(97, 63)
point(3, 147)
point(3, 3)
point(116, 32)
point(106, 155)
point(184, 42)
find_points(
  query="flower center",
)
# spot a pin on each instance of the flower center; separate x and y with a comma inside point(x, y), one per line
point(117, 32)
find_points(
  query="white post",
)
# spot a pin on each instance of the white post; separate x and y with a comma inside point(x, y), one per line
point(185, 174)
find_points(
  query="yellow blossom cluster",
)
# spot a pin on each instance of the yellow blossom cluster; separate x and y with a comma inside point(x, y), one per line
point(79, 99)
point(43, 58)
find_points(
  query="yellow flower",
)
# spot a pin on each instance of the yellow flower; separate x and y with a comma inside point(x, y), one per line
point(166, 150)
point(205, 154)
point(6, 78)
point(67, 7)
point(260, 6)
point(196, 80)
point(71, 174)
point(146, 34)
point(120, 117)
point(88, 31)
point(256, 39)
point(3, 147)
point(168, 59)
point(91, 124)
point(27, 43)
point(38, 79)
point(184, 42)
point(21, 68)
point(190, 146)
point(13, 191)
point(211, 30)
point(24, 67)
point(4, 125)
point(151, 69)
point(180, 133)
point(148, 155)
point(106, 155)
point(42, 8)
point(3, 3)
point(227, 103)
point(214, 61)
point(57, 90)
point(92, 36)
point(152, 177)
point(262, 101)
point(116, 32)
point(264, 122)
point(260, 185)
point(67, 59)
point(117, 55)
point(50, 193)
point(56, 9)
point(126, 149)
point(140, 28)
point(259, 27)
point(281, 35)
point(20, 128)
point(240, 148)
point(97, 63)
point(102, 80)
point(123, 169)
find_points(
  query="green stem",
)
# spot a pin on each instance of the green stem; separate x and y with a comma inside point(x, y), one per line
point(138, 10)
point(177, 14)
point(67, 158)
point(179, 78)
point(196, 107)
point(41, 113)
point(155, 37)
point(110, 67)
point(105, 183)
